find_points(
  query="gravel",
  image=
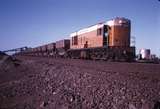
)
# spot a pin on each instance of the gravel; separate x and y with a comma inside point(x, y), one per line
point(48, 83)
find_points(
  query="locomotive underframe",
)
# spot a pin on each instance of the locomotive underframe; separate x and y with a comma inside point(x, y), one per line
point(104, 53)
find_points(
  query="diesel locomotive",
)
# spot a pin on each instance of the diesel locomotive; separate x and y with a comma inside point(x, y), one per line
point(108, 40)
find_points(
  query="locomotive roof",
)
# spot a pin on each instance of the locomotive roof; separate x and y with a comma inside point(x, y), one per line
point(116, 21)
point(88, 29)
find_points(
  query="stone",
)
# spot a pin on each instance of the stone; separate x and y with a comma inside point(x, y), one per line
point(131, 106)
point(43, 104)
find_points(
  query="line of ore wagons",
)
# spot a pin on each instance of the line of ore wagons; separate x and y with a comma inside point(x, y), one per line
point(106, 40)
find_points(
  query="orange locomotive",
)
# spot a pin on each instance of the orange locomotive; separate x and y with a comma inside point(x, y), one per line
point(107, 40)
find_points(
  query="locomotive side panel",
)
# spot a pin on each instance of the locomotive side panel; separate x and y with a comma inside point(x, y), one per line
point(88, 37)
point(87, 40)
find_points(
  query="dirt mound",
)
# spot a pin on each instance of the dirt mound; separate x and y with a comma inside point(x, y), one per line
point(2, 54)
point(8, 66)
point(8, 61)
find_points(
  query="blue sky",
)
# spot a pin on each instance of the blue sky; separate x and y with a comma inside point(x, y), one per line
point(36, 22)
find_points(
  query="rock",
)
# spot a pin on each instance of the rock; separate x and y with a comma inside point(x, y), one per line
point(43, 104)
point(54, 93)
point(131, 106)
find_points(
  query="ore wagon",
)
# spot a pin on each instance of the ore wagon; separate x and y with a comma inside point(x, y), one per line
point(61, 47)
